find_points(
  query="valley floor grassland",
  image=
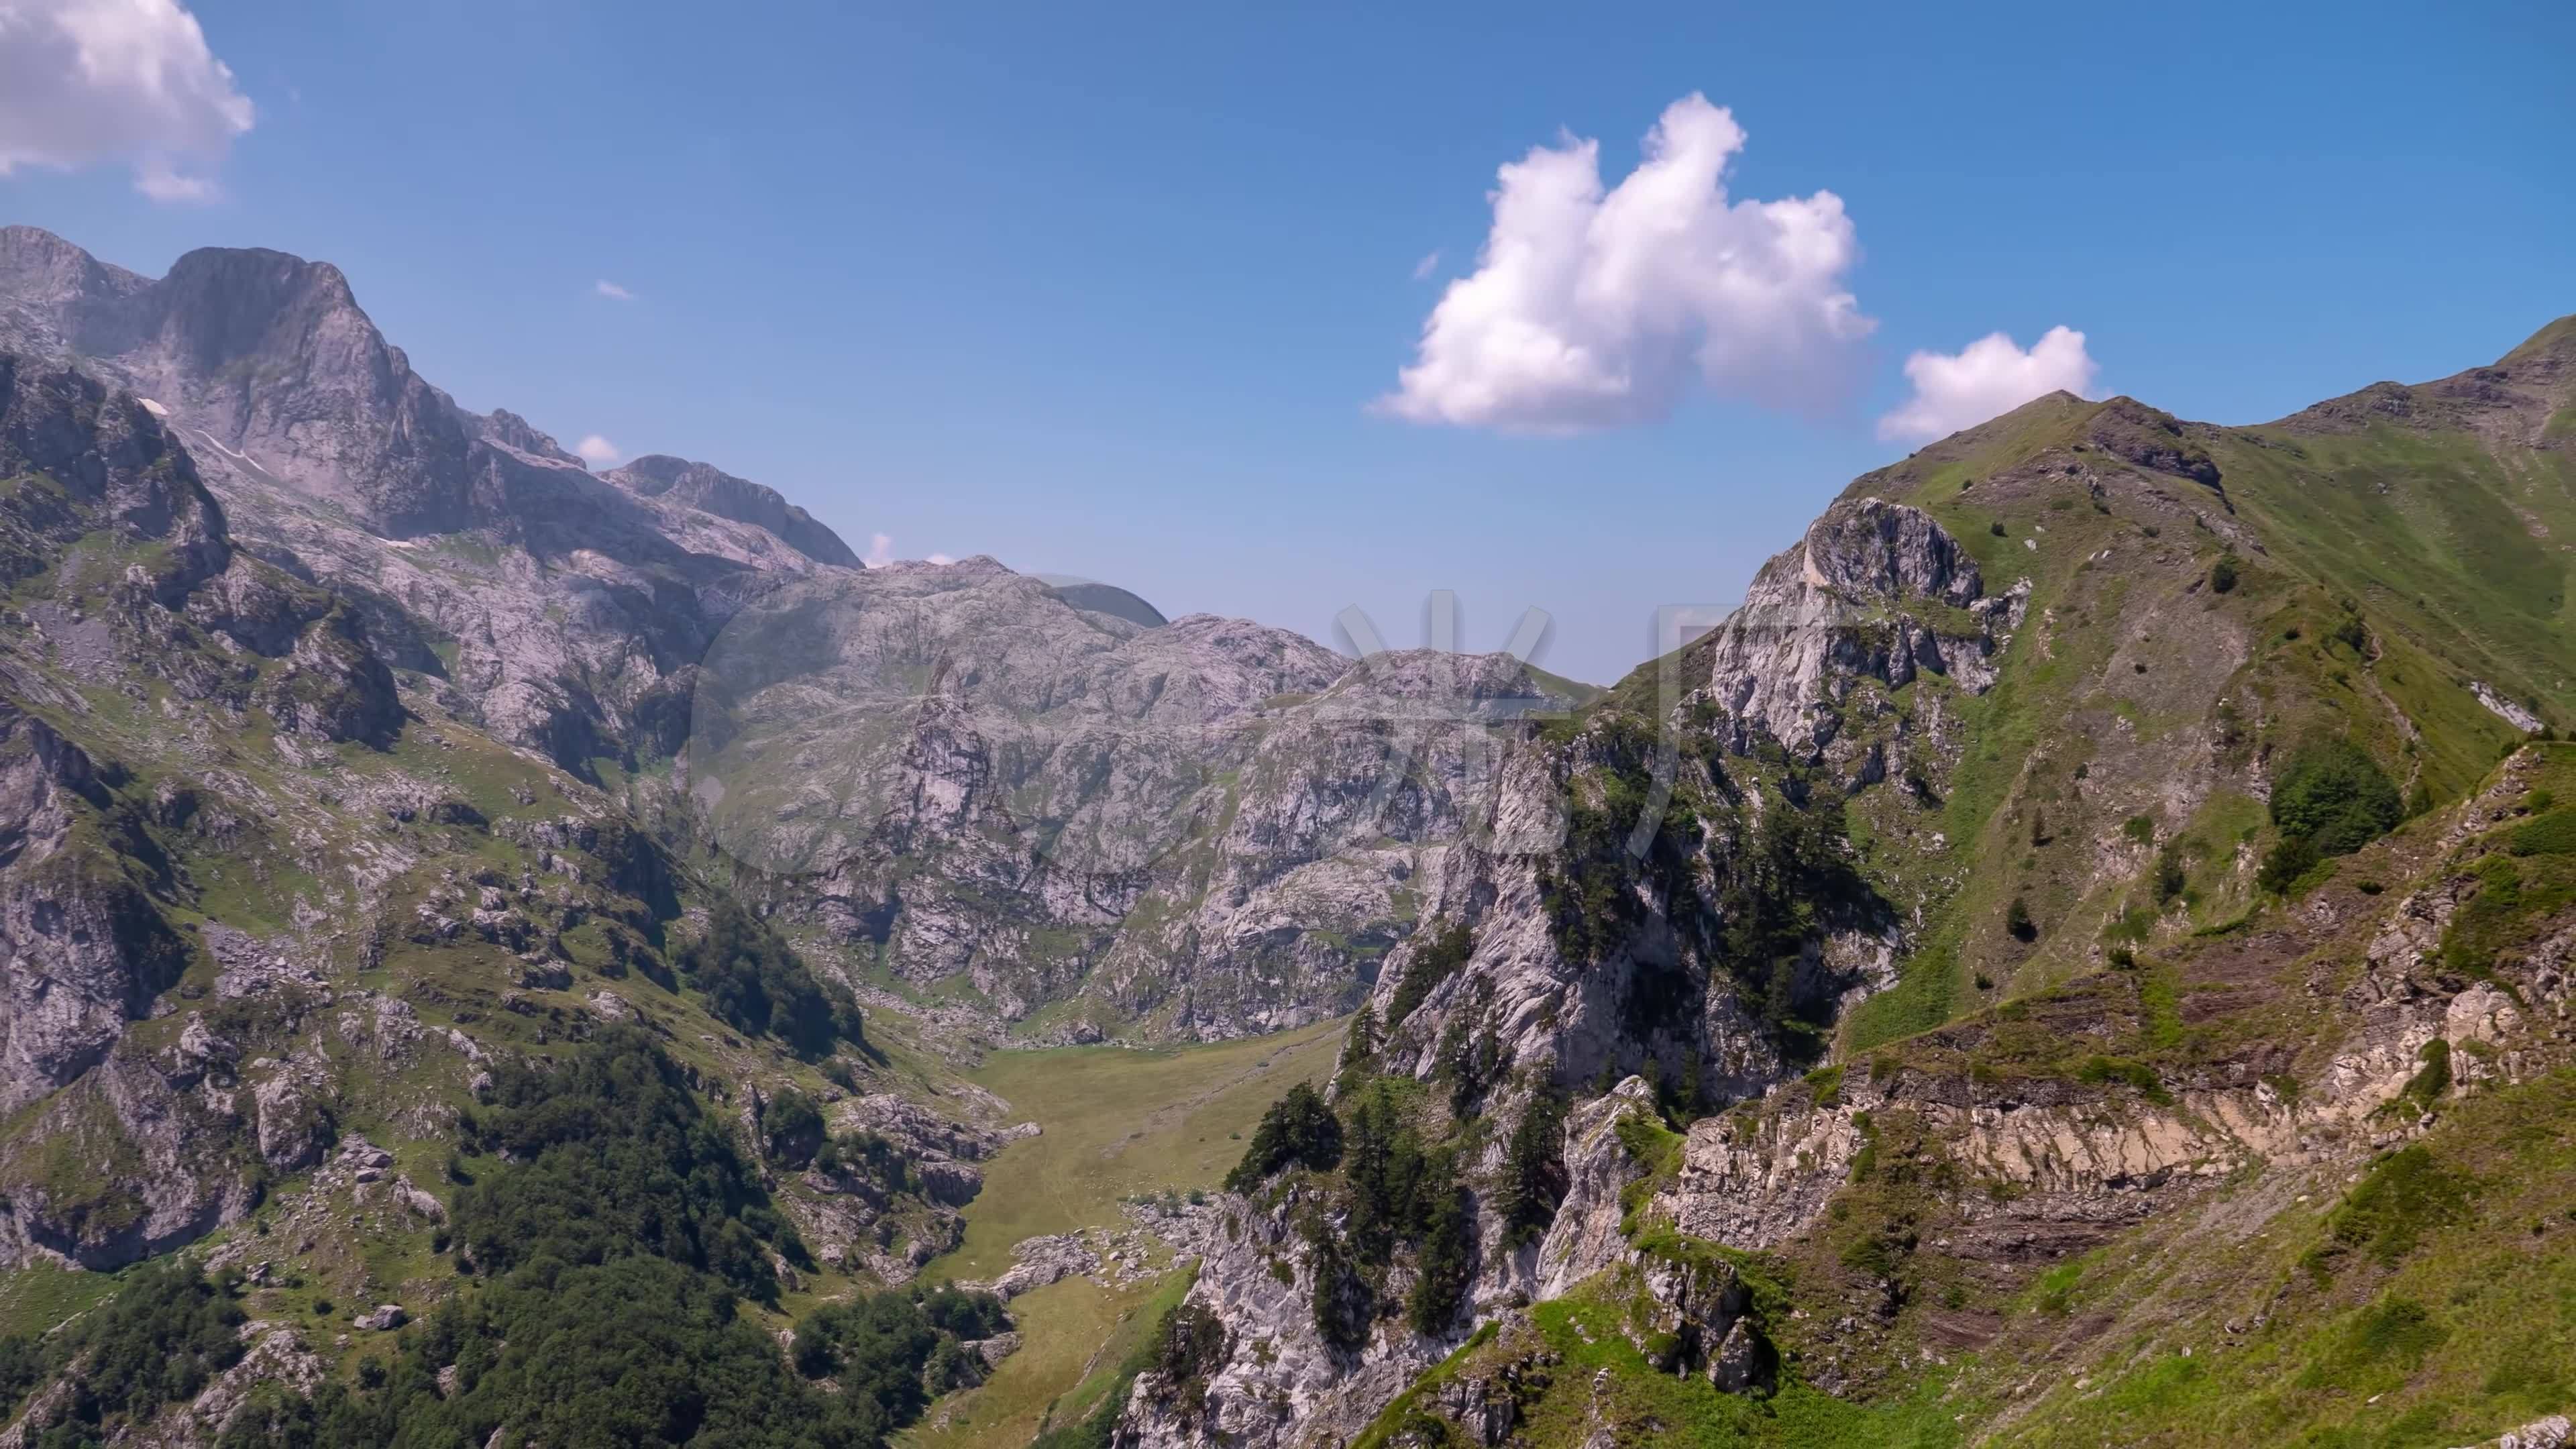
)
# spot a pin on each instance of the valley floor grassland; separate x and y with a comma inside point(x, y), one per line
point(1121, 1122)
point(1115, 1123)
point(1076, 1336)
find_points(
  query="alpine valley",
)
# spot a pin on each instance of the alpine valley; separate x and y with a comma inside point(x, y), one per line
point(503, 955)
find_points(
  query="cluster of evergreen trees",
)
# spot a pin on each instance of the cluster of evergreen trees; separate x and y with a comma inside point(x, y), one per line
point(1298, 1130)
point(1394, 1195)
point(168, 1330)
point(756, 984)
point(609, 1254)
point(612, 1156)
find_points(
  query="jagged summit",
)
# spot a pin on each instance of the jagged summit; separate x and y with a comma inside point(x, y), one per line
point(268, 360)
point(709, 488)
point(477, 547)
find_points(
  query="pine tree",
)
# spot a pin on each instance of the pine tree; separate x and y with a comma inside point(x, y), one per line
point(1447, 1261)
point(1534, 1172)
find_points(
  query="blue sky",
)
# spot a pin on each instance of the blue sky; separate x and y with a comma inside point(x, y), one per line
point(1112, 296)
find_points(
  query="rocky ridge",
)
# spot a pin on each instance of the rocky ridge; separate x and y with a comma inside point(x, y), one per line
point(2063, 1011)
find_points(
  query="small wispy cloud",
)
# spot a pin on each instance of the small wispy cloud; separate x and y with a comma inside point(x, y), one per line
point(611, 291)
point(1430, 263)
point(595, 449)
point(881, 552)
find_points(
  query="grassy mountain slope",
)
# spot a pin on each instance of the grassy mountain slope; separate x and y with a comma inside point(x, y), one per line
point(2213, 1100)
point(280, 925)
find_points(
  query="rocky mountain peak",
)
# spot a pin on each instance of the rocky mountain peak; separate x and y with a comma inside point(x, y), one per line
point(511, 430)
point(1871, 548)
point(2518, 400)
point(2150, 438)
point(712, 490)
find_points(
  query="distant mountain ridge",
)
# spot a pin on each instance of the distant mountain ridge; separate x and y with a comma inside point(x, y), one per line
point(478, 549)
point(575, 615)
point(2085, 953)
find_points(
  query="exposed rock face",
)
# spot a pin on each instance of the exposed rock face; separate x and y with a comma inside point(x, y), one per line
point(1281, 1383)
point(1655, 994)
point(475, 548)
point(709, 489)
point(85, 951)
point(1210, 824)
point(1848, 606)
point(86, 947)
point(1588, 1233)
point(1045, 788)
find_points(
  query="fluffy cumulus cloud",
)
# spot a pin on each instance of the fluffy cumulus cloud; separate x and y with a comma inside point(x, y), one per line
point(596, 450)
point(85, 82)
point(1591, 308)
point(1989, 377)
point(613, 292)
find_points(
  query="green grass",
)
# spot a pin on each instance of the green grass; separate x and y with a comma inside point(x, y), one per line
point(2433, 1304)
point(1602, 1384)
point(1117, 1122)
point(2434, 534)
point(1075, 1338)
point(37, 1299)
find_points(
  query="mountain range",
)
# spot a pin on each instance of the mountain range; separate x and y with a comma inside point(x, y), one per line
point(2081, 954)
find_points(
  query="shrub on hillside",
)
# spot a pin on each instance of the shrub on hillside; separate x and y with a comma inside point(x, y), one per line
point(791, 1127)
point(2553, 833)
point(2335, 796)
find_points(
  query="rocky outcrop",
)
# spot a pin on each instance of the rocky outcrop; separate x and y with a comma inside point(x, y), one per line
point(708, 489)
point(84, 948)
point(1212, 825)
point(1280, 1383)
point(1876, 594)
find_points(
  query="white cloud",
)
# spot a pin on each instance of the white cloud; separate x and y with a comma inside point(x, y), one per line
point(1591, 309)
point(89, 81)
point(1986, 379)
point(612, 291)
point(881, 552)
point(597, 450)
point(1425, 267)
